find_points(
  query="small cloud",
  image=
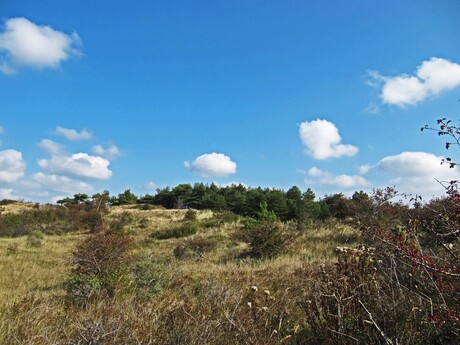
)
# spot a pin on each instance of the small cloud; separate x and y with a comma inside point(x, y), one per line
point(150, 186)
point(110, 151)
point(12, 165)
point(372, 108)
point(51, 147)
point(72, 134)
point(7, 193)
point(212, 165)
point(323, 141)
point(342, 181)
point(2, 130)
point(364, 169)
point(80, 165)
point(431, 78)
point(26, 44)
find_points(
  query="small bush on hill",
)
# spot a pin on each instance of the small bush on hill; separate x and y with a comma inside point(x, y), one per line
point(150, 275)
point(267, 239)
point(190, 216)
point(183, 230)
point(194, 248)
point(100, 265)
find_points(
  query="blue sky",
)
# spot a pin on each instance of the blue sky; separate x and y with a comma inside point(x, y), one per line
point(329, 94)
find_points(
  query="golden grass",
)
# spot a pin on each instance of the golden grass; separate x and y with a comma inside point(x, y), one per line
point(214, 287)
point(24, 268)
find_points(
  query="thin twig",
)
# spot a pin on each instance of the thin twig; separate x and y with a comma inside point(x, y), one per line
point(387, 340)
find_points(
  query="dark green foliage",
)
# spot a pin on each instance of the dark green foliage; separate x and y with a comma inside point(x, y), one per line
point(267, 239)
point(183, 230)
point(125, 198)
point(7, 202)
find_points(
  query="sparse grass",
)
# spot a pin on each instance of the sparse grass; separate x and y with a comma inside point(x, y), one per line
point(170, 301)
point(26, 268)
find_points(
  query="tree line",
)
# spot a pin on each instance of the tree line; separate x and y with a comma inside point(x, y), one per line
point(245, 201)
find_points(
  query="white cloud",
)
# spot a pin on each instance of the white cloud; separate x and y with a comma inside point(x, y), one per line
point(7, 193)
point(212, 165)
point(72, 134)
point(323, 140)
point(150, 186)
point(110, 151)
point(79, 165)
point(12, 165)
point(342, 181)
point(1, 130)
point(431, 78)
point(23, 43)
point(51, 147)
point(417, 172)
point(61, 184)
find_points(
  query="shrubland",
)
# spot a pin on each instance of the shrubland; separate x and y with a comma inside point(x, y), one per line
point(365, 269)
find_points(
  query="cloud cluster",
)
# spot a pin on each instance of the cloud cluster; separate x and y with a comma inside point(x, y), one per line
point(23, 43)
point(323, 141)
point(61, 184)
point(212, 165)
point(79, 165)
point(342, 181)
point(416, 172)
point(110, 151)
point(12, 165)
point(431, 78)
point(72, 134)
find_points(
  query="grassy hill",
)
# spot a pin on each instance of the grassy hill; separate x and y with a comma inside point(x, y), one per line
point(157, 276)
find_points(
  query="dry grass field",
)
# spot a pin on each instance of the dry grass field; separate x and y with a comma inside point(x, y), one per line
point(206, 294)
point(146, 275)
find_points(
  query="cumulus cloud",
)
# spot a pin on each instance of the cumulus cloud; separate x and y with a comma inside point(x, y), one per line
point(12, 165)
point(72, 134)
point(24, 43)
point(51, 147)
point(342, 181)
point(323, 141)
point(79, 165)
point(110, 151)
point(212, 165)
point(61, 184)
point(431, 78)
point(417, 172)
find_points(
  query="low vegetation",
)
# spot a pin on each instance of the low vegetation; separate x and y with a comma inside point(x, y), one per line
point(362, 270)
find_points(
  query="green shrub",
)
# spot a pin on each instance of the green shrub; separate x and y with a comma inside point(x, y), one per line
point(194, 248)
point(190, 216)
point(183, 230)
point(101, 264)
point(150, 276)
point(267, 239)
point(82, 288)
